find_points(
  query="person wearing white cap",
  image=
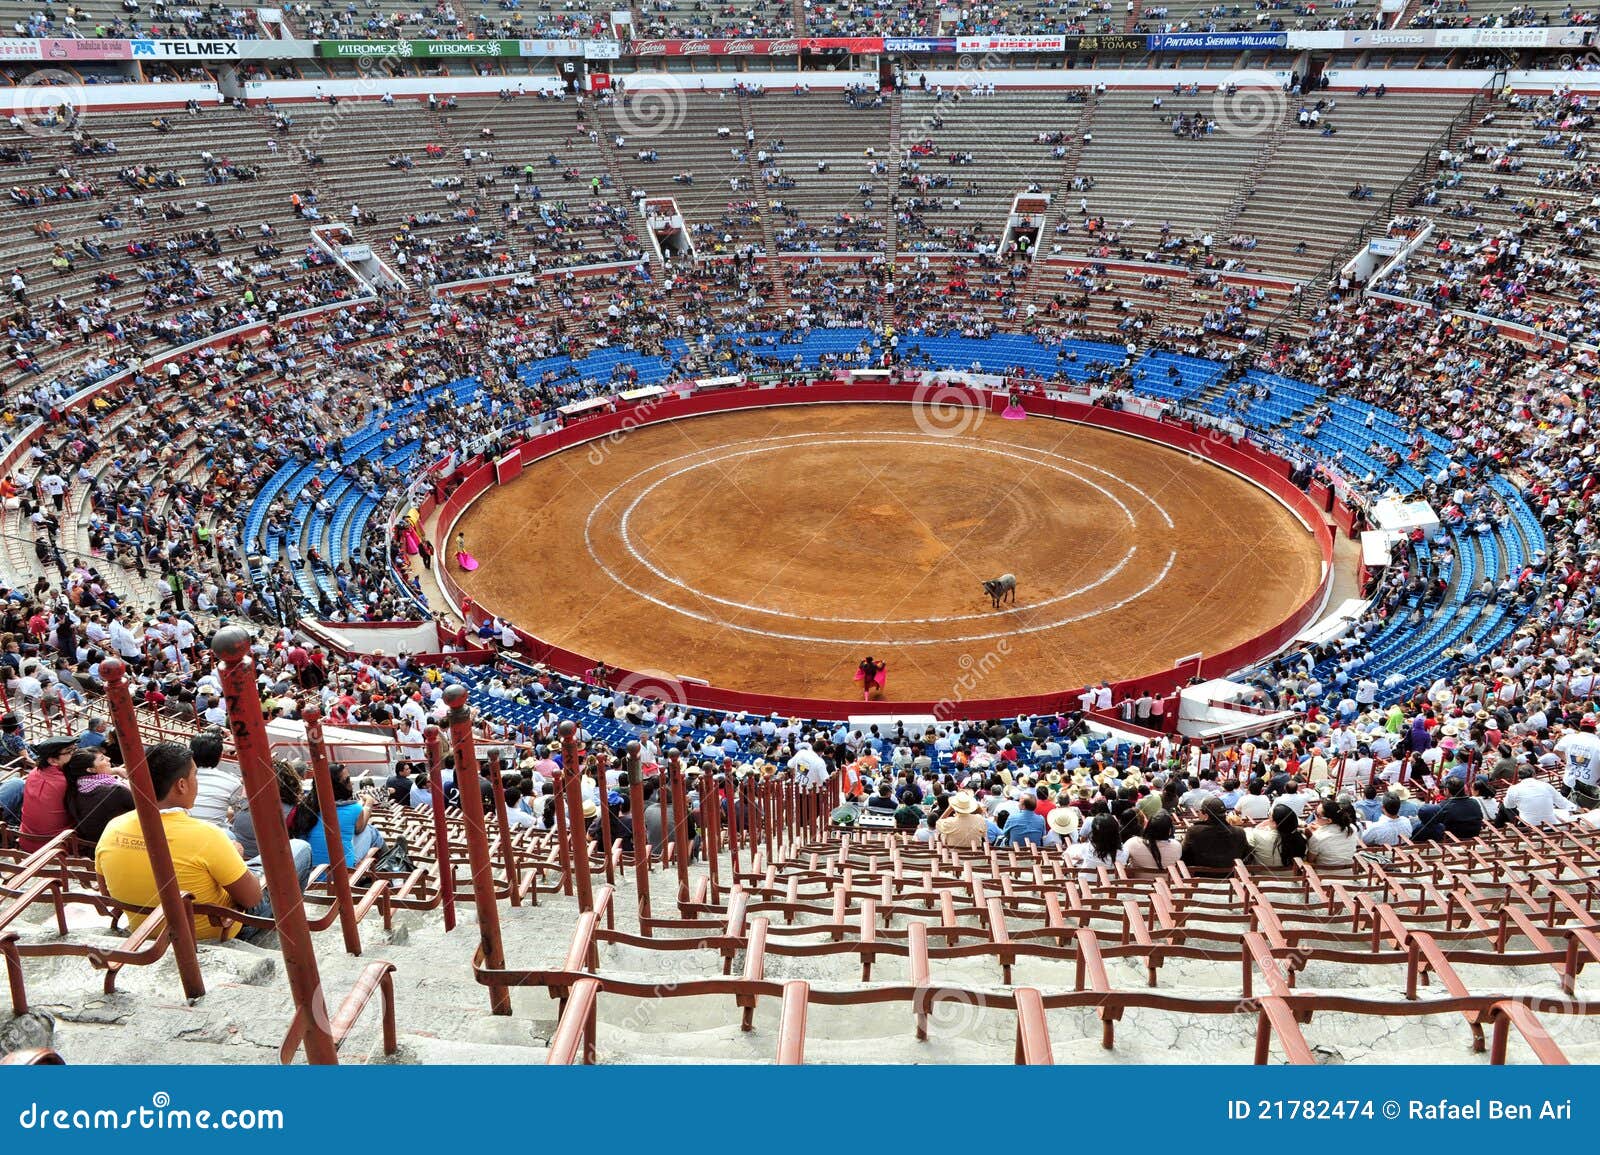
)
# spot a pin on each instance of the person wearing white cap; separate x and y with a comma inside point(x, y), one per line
point(808, 766)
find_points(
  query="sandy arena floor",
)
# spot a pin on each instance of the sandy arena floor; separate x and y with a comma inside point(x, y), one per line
point(771, 550)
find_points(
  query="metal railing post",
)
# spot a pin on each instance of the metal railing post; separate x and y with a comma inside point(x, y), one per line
point(508, 852)
point(322, 778)
point(632, 759)
point(680, 826)
point(604, 793)
point(441, 826)
point(237, 670)
point(455, 697)
point(577, 828)
point(180, 923)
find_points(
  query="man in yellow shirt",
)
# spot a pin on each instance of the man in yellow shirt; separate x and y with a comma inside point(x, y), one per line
point(207, 862)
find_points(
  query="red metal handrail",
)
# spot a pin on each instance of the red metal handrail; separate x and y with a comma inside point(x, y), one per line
point(575, 1028)
point(1033, 1032)
point(238, 672)
point(792, 1023)
point(471, 802)
point(328, 807)
point(1507, 1015)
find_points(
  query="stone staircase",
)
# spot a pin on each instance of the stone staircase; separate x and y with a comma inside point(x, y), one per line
point(758, 191)
point(608, 154)
point(891, 238)
point(1061, 196)
point(1264, 157)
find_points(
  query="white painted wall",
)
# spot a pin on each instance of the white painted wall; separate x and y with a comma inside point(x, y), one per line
point(772, 81)
point(35, 100)
point(373, 87)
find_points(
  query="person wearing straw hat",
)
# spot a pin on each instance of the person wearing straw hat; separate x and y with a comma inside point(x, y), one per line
point(964, 826)
point(1063, 824)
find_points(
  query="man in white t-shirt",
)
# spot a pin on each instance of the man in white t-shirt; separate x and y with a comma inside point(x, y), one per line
point(1296, 799)
point(1536, 801)
point(1254, 805)
point(1579, 753)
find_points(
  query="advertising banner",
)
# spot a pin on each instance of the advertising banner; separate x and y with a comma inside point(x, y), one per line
point(1007, 44)
point(417, 49)
point(551, 47)
point(1507, 37)
point(919, 44)
point(1216, 41)
point(784, 47)
point(85, 50)
point(1112, 43)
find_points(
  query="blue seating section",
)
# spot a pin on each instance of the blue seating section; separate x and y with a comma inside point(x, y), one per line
point(1153, 374)
point(602, 366)
point(1006, 352)
point(767, 346)
point(569, 701)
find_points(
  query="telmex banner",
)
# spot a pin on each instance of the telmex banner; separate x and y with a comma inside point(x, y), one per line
point(919, 44)
point(19, 48)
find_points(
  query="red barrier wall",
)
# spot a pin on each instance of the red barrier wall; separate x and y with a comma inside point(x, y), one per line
point(1265, 470)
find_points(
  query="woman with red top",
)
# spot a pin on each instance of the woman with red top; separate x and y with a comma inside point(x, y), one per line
point(44, 796)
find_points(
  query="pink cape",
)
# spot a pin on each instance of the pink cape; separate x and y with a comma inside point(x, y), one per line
point(466, 561)
point(1014, 412)
point(882, 678)
point(412, 545)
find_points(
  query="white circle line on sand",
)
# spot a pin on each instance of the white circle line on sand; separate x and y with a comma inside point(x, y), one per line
point(781, 636)
point(868, 439)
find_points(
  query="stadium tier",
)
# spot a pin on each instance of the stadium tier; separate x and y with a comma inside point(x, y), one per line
point(1064, 534)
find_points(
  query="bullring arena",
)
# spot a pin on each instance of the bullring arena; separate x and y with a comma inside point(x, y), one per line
point(453, 478)
point(806, 537)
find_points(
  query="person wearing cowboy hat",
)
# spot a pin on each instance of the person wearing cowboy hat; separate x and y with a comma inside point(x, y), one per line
point(44, 795)
point(965, 825)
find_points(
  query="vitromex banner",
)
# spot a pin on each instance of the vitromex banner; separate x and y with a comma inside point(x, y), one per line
point(419, 49)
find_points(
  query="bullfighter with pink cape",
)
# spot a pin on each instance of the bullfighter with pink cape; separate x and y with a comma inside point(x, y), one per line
point(464, 559)
point(873, 676)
